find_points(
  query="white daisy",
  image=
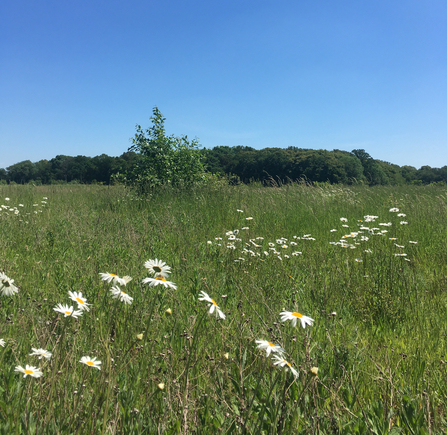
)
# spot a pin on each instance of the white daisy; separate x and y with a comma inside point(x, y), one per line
point(91, 362)
point(123, 296)
point(29, 371)
point(294, 316)
point(158, 267)
point(67, 311)
point(7, 288)
point(213, 306)
point(41, 353)
point(159, 280)
point(269, 347)
point(2, 342)
point(115, 279)
point(394, 210)
point(81, 301)
point(283, 363)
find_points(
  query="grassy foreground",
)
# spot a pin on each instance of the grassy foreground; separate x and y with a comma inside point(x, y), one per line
point(378, 339)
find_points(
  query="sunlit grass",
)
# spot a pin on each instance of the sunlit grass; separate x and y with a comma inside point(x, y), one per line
point(184, 358)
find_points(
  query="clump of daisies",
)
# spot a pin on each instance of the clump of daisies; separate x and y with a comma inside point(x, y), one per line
point(276, 350)
point(160, 271)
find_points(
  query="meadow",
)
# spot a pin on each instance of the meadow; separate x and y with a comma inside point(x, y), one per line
point(202, 347)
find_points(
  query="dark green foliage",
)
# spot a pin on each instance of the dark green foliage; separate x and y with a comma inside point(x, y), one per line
point(157, 159)
point(164, 160)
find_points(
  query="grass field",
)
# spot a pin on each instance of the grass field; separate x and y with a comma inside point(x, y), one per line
point(372, 278)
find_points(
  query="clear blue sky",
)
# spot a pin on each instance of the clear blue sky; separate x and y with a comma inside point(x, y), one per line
point(76, 77)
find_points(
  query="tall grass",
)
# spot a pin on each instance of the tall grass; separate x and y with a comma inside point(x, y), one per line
point(378, 338)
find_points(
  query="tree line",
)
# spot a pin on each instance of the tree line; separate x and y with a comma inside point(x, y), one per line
point(241, 163)
point(155, 159)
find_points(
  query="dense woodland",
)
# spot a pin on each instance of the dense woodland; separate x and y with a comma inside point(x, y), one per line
point(241, 163)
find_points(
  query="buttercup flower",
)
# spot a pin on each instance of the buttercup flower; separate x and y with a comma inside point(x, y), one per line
point(41, 353)
point(269, 347)
point(7, 288)
point(67, 311)
point(123, 296)
point(159, 280)
point(213, 306)
point(294, 316)
point(283, 363)
point(158, 267)
point(111, 277)
point(91, 362)
point(82, 302)
point(29, 371)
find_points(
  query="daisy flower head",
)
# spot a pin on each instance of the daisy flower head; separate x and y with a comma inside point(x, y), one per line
point(81, 301)
point(67, 311)
point(29, 371)
point(394, 210)
point(269, 347)
point(2, 342)
point(213, 306)
point(158, 267)
point(294, 316)
point(7, 288)
point(159, 280)
point(281, 362)
point(115, 279)
point(117, 293)
point(41, 353)
point(91, 362)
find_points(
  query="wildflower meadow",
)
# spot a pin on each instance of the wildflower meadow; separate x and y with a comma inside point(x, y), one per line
point(289, 309)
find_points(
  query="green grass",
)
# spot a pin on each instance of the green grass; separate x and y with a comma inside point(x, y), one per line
point(378, 340)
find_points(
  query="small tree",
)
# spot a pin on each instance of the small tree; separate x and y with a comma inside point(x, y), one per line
point(164, 160)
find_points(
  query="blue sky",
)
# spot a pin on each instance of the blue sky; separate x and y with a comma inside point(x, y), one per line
point(76, 77)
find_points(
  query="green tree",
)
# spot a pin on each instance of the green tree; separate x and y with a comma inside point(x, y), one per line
point(165, 160)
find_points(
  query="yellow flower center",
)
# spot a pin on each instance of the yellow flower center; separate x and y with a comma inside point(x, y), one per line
point(123, 292)
point(89, 363)
point(290, 365)
point(299, 315)
point(68, 313)
point(214, 302)
point(80, 301)
point(29, 372)
point(271, 344)
point(112, 274)
point(160, 278)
